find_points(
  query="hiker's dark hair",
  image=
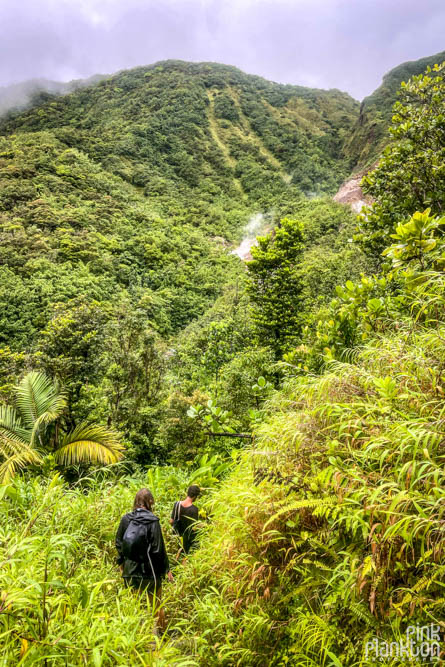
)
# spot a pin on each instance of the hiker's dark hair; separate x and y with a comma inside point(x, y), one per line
point(193, 491)
point(144, 498)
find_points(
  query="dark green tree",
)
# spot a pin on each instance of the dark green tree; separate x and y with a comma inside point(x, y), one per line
point(134, 384)
point(275, 283)
point(70, 348)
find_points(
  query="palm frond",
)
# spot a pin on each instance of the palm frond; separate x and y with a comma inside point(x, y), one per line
point(11, 426)
point(20, 459)
point(15, 446)
point(39, 400)
point(89, 443)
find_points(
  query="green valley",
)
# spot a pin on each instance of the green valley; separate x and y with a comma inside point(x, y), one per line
point(300, 387)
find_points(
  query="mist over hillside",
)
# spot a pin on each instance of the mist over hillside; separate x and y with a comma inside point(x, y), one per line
point(18, 96)
point(185, 301)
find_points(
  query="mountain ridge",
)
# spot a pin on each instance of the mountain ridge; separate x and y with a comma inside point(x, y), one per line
point(369, 136)
point(292, 123)
point(301, 122)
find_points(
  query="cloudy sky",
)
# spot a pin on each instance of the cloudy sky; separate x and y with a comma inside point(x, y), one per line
point(346, 44)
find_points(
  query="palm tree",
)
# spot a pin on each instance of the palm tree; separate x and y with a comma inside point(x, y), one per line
point(33, 428)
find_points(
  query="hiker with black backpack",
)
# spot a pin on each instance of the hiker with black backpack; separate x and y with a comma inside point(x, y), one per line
point(142, 557)
point(184, 517)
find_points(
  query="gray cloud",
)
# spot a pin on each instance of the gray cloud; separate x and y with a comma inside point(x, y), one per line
point(346, 44)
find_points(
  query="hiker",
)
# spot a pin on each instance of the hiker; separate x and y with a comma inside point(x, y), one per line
point(184, 517)
point(142, 557)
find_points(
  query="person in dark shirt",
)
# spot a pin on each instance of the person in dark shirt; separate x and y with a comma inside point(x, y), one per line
point(184, 517)
point(147, 572)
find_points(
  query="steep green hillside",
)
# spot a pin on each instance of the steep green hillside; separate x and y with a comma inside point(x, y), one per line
point(119, 205)
point(369, 135)
point(71, 230)
point(179, 127)
point(311, 413)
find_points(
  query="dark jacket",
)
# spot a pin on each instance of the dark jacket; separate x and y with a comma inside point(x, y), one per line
point(156, 565)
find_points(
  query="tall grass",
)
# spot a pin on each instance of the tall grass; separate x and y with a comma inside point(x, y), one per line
point(61, 596)
point(327, 533)
point(331, 530)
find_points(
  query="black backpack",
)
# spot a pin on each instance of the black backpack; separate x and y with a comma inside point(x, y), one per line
point(135, 545)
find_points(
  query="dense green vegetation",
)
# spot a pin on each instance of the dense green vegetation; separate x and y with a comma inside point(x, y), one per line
point(119, 203)
point(335, 530)
point(369, 136)
point(61, 601)
point(180, 128)
point(302, 390)
point(32, 427)
point(411, 174)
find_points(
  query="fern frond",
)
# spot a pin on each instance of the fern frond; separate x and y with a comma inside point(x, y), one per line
point(317, 504)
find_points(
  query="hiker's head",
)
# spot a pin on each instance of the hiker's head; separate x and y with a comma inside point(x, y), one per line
point(193, 491)
point(144, 498)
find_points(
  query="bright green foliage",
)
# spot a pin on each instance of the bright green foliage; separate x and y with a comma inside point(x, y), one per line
point(334, 534)
point(418, 241)
point(134, 383)
point(412, 286)
point(180, 439)
point(241, 389)
point(214, 418)
point(359, 311)
point(11, 365)
point(368, 499)
point(27, 431)
point(117, 224)
point(370, 133)
point(89, 269)
point(119, 204)
point(206, 345)
point(411, 173)
point(275, 285)
point(220, 346)
point(119, 247)
point(71, 345)
point(61, 594)
point(330, 258)
point(222, 353)
point(296, 268)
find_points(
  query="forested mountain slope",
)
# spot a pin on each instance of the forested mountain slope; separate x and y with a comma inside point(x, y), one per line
point(369, 135)
point(200, 126)
point(120, 203)
point(302, 390)
point(71, 229)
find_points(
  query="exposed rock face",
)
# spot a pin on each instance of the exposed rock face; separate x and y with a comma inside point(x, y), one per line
point(351, 193)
